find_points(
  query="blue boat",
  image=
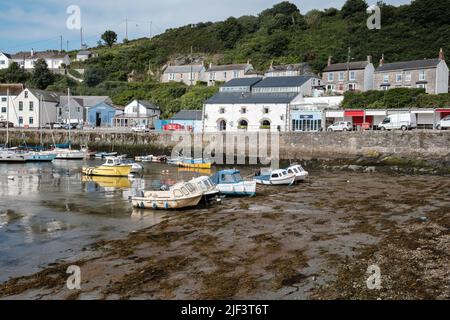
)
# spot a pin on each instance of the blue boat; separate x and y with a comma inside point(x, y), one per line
point(230, 182)
point(40, 157)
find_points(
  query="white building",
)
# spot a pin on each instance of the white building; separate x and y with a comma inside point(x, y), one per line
point(13, 90)
point(32, 108)
point(138, 112)
point(85, 55)
point(5, 60)
point(54, 59)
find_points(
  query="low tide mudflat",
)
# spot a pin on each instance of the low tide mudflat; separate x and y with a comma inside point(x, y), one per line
point(311, 241)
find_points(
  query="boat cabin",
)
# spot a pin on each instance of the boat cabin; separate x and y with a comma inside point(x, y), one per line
point(278, 173)
point(227, 177)
point(113, 161)
point(295, 169)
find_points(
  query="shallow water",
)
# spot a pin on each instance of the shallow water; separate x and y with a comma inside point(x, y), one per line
point(51, 212)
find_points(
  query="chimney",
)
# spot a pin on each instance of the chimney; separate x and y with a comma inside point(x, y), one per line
point(329, 60)
point(369, 59)
point(382, 60)
point(210, 65)
point(248, 61)
point(441, 54)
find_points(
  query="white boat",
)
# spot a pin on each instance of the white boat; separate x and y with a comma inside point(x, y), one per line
point(207, 186)
point(274, 177)
point(181, 195)
point(230, 182)
point(69, 154)
point(300, 173)
point(40, 156)
point(11, 156)
point(135, 167)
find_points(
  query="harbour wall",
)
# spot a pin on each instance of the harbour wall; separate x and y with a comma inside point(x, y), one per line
point(417, 145)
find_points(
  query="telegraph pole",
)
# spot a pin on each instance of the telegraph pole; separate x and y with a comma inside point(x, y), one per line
point(126, 28)
point(81, 37)
point(61, 47)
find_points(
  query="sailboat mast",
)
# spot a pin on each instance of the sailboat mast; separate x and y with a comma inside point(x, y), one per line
point(68, 121)
point(40, 119)
point(7, 117)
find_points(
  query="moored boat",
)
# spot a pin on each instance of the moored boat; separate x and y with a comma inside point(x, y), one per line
point(11, 157)
point(300, 173)
point(40, 156)
point(69, 154)
point(195, 163)
point(274, 177)
point(230, 182)
point(207, 186)
point(181, 195)
point(113, 167)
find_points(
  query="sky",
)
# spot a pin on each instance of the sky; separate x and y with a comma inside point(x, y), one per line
point(39, 24)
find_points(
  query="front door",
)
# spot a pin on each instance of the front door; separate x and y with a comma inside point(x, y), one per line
point(98, 119)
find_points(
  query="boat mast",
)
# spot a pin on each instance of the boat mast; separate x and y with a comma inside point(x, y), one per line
point(40, 123)
point(7, 118)
point(68, 121)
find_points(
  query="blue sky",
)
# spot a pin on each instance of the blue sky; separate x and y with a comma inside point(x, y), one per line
point(38, 24)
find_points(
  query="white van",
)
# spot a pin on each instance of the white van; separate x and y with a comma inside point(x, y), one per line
point(403, 121)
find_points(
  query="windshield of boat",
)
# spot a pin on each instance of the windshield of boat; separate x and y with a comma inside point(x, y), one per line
point(190, 187)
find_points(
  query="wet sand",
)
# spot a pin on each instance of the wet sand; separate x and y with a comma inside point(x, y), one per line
point(311, 241)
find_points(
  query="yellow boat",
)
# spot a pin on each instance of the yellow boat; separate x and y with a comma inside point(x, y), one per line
point(195, 165)
point(108, 182)
point(113, 167)
point(207, 172)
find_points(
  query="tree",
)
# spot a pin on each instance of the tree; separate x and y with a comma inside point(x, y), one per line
point(14, 74)
point(110, 37)
point(42, 77)
point(352, 7)
point(94, 75)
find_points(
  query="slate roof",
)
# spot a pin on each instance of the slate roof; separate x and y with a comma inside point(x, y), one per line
point(410, 65)
point(6, 55)
point(48, 96)
point(14, 89)
point(84, 53)
point(39, 55)
point(246, 98)
point(184, 69)
point(148, 105)
point(280, 82)
point(92, 101)
point(302, 67)
point(188, 115)
point(63, 101)
point(354, 65)
point(242, 82)
point(228, 67)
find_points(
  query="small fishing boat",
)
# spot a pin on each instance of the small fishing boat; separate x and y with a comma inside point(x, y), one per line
point(113, 167)
point(135, 167)
point(300, 173)
point(69, 154)
point(207, 186)
point(43, 156)
point(181, 195)
point(274, 177)
point(11, 156)
point(230, 182)
point(102, 155)
point(195, 163)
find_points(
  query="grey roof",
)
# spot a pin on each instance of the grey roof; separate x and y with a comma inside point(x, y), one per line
point(6, 55)
point(184, 69)
point(148, 105)
point(409, 65)
point(354, 65)
point(188, 115)
point(63, 101)
point(242, 82)
point(280, 82)
point(40, 55)
point(84, 53)
point(238, 97)
point(92, 101)
point(228, 67)
point(48, 96)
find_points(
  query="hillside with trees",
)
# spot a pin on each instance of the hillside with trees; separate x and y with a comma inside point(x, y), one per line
point(283, 34)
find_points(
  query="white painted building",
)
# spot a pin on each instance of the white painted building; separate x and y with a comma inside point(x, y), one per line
point(14, 90)
point(5, 60)
point(138, 112)
point(54, 59)
point(32, 108)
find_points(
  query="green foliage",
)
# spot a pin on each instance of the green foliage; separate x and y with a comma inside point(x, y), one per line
point(110, 37)
point(353, 7)
point(398, 98)
point(13, 74)
point(94, 75)
point(42, 77)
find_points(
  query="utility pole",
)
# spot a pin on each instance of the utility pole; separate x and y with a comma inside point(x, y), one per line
point(126, 28)
point(190, 76)
point(67, 45)
point(81, 37)
point(151, 28)
point(348, 66)
point(61, 47)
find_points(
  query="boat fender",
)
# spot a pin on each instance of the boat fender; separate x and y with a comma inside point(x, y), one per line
point(142, 206)
point(154, 205)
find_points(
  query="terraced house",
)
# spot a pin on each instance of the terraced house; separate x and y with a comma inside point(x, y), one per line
point(429, 74)
point(188, 74)
point(224, 73)
point(349, 76)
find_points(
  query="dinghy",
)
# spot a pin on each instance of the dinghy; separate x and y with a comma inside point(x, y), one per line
point(274, 177)
point(230, 182)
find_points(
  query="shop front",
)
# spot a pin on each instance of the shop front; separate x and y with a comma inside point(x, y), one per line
point(359, 119)
point(306, 120)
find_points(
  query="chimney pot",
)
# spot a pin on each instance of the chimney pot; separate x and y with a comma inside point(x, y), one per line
point(329, 60)
point(382, 60)
point(441, 54)
point(369, 59)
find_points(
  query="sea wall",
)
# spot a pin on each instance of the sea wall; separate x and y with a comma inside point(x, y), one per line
point(417, 145)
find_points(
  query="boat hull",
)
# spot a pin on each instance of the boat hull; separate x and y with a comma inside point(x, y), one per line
point(41, 158)
point(108, 171)
point(244, 188)
point(11, 157)
point(70, 155)
point(163, 204)
point(195, 165)
point(288, 180)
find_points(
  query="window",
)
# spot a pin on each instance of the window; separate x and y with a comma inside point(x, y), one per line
point(3, 99)
point(3, 109)
point(422, 86)
point(225, 74)
point(243, 110)
point(31, 106)
point(351, 86)
point(26, 94)
point(330, 87)
point(31, 120)
point(236, 74)
point(352, 76)
point(172, 76)
point(266, 110)
point(2, 62)
point(222, 125)
point(181, 76)
point(422, 75)
point(398, 77)
point(20, 106)
point(408, 76)
point(78, 109)
point(330, 77)
point(243, 124)
point(20, 121)
point(222, 110)
point(385, 78)
point(212, 76)
point(341, 76)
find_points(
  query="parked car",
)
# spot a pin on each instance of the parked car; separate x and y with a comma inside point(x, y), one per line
point(140, 128)
point(3, 124)
point(444, 124)
point(402, 121)
point(341, 126)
